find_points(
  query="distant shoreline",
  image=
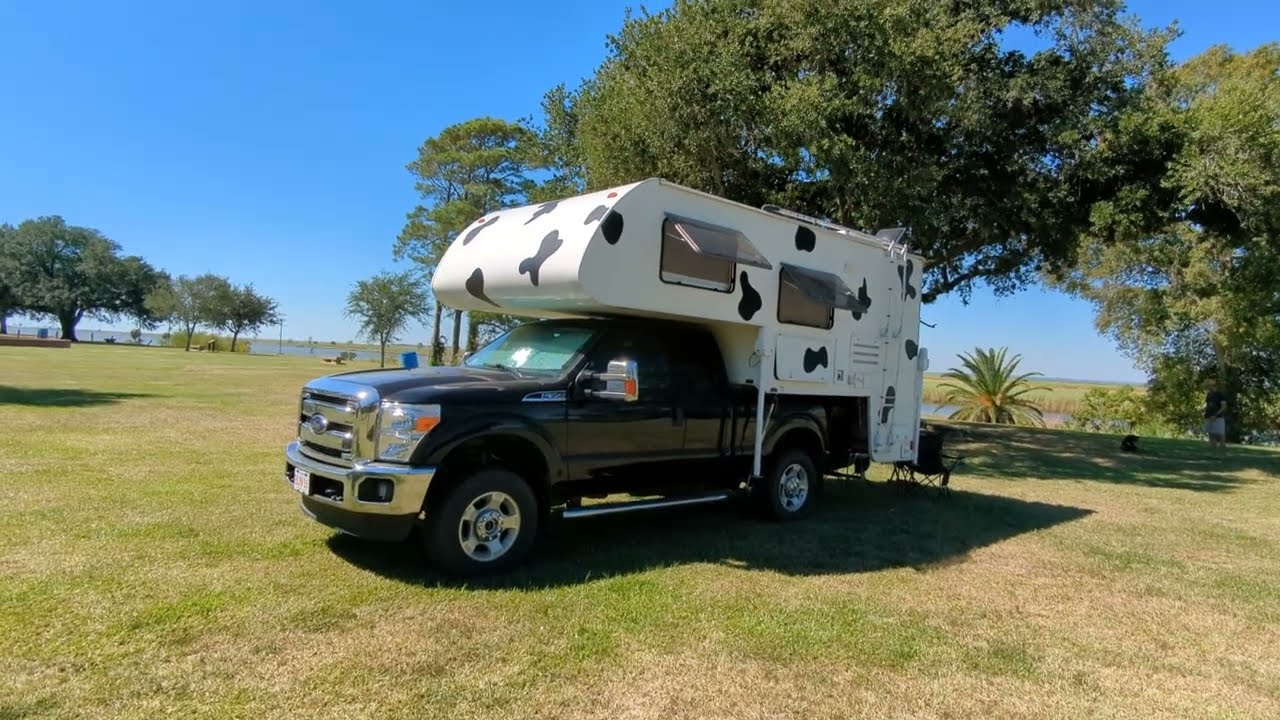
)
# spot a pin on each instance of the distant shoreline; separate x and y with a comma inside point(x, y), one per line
point(262, 342)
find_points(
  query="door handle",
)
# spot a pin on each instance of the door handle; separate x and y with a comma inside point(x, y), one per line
point(677, 417)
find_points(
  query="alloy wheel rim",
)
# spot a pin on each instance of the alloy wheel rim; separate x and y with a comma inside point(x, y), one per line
point(489, 526)
point(793, 487)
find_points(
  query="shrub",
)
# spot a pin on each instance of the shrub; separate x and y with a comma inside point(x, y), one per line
point(201, 340)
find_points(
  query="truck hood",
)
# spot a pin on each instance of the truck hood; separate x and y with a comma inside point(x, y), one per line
point(449, 384)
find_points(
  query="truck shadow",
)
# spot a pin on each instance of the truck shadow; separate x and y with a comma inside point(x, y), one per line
point(859, 527)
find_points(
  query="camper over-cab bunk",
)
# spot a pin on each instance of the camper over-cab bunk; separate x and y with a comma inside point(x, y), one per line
point(680, 349)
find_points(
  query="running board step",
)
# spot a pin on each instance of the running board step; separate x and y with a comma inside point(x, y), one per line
point(633, 505)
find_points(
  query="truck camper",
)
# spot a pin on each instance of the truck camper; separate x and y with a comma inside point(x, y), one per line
point(680, 348)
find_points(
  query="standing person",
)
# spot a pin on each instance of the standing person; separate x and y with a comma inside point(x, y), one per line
point(1215, 414)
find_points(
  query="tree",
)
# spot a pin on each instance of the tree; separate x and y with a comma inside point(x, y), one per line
point(468, 170)
point(69, 273)
point(191, 302)
point(485, 326)
point(988, 390)
point(8, 272)
point(243, 310)
point(385, 304)
point(873, 114)
point(1181, 267)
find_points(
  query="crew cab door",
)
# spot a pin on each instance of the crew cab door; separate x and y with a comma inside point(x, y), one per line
point(701, 397)
point(613, 438)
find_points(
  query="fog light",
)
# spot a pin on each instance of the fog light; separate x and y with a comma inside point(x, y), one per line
point(376, 490)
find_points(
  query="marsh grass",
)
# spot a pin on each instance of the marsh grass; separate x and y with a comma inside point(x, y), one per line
point(154, 564)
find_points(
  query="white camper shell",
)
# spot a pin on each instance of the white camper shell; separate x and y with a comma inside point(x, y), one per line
point(799, 306)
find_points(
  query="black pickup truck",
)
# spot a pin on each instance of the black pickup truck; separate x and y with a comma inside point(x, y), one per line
point(548, 415)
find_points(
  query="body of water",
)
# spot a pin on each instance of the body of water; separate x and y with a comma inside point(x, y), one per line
point(942, 411)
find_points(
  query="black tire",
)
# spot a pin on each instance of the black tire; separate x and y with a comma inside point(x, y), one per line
point(779, 472)
point(491, 491)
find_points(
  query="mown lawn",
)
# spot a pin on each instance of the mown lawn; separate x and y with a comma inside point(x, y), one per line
point(154, 564)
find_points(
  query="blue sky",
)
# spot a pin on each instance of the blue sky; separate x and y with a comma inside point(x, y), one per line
point(267, 141)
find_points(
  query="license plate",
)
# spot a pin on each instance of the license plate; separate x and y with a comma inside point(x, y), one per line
point(302, 481)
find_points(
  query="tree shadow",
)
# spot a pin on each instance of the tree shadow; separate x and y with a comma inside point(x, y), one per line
point(1036, 454)
point(858, 527)
point(62, 397)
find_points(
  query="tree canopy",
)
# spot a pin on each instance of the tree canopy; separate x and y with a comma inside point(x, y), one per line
point(385, 304)
point(1183, 266)
point(873, 114)
point(69, 272)
point(469, 169)
point(191, 302)
point(244, 310)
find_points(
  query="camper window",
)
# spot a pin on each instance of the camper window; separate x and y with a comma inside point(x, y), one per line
point(796, 308)
point(703, 255)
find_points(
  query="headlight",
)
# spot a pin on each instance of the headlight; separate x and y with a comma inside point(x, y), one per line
point(400, 427)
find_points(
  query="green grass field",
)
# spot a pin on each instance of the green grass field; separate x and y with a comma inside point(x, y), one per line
point(155, 565)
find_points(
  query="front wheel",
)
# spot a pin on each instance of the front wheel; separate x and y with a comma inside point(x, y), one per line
point(790, 486)
point(484, 526)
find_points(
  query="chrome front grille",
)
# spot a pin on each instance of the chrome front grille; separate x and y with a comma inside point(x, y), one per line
point(336, 421)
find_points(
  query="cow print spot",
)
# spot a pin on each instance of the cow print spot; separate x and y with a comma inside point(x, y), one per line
point(611, 226)
point(904, 274)
point(543, 209)
point(471, 234)
point(813, 359)
point(750, 303)
point(864, 298)
point(889, 395)
point(475, 286)
point(596, 213)
point(532, 265)
point(912, 349)
point(806, 241)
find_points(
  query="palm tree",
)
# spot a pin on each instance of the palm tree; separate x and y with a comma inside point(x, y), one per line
point(987, 390)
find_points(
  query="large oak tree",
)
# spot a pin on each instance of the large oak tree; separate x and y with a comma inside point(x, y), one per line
point(873, 113)
point(69, 273)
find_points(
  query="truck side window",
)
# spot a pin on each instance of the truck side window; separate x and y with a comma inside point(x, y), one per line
point(653, 364)
point(695, 380)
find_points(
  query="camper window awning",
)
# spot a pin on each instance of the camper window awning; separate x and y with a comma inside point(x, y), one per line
point(719, 242)
point(822, 287)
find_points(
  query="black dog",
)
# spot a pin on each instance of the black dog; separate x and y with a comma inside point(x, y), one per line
point(1129, 443)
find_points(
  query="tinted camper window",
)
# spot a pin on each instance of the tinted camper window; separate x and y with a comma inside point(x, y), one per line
point(682, 265)
point(795, 308)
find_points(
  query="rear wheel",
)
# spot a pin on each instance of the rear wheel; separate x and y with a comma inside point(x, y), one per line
point(484, 526)
point(790, 485)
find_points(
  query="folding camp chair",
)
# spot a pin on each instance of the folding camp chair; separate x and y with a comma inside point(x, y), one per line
point(932, 467)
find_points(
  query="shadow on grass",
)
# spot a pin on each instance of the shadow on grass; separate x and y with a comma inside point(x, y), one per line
point(858, 527)
point(62, 397)
point(1035, 454)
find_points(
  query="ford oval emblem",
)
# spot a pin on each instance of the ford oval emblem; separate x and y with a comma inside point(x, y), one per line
point(319, 424)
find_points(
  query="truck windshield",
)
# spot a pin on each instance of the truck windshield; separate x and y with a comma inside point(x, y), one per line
point(539, 348)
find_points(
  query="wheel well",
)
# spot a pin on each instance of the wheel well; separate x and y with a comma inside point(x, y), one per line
point(511, 452)
point(803, 438)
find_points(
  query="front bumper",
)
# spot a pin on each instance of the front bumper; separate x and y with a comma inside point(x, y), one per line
point(333, 496)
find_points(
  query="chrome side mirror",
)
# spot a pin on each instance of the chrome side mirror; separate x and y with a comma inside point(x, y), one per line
point(621, 381)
